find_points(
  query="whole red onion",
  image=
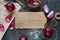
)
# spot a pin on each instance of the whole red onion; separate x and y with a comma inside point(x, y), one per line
point(48, 31)
point(2, 27)
point(8, 18)
point(10, 6)
point(23, 37)
point(12, 25)
point(33, 3)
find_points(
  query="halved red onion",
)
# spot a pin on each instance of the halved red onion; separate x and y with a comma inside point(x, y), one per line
point(12, 25)
point(50, 15)
point(10, 6)
point(46, 9)
point(2, 27)
point(8, 18)
point(23, 37)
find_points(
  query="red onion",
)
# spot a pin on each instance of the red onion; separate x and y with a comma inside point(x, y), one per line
point(50, 15)
point(12, 25)
point(2, 27)
point(36, 3)
point(8, 18)
point(10, 6)
point(23, 37)
point(48, 31)
point(33, 2)
point(46, 9)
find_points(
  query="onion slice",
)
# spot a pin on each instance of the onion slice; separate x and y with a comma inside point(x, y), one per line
point(45, 8)
point(50, 15)
point(12, 25)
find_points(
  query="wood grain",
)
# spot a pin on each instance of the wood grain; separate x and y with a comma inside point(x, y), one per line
point(28, 20)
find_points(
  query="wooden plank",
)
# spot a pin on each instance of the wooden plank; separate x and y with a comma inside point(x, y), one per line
point(30, 20)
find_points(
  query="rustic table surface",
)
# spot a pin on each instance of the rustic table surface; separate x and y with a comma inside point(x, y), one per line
point(14, 34)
